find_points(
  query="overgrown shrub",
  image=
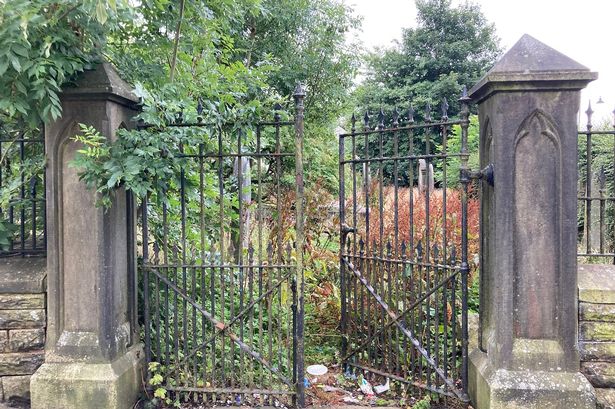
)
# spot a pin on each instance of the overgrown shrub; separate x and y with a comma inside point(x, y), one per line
point(443, 229)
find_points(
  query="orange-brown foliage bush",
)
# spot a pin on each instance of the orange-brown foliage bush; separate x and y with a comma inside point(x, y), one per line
point(443, 229)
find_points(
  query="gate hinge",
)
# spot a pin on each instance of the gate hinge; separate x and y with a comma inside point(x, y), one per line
point(486, 174)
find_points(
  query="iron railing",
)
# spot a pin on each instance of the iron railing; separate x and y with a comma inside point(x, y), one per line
point(404, 251)
point(222, 274)
point(22, 191)
point(596, 194)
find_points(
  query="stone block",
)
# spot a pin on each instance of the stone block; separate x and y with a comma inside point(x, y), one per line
point(596, 312)
point(599, 374)
point(596, 284)
point(4, 341)
point(605, 398)
point(74, 385)
point(596, 331)
point(22, 301)
point(503, 389)
point(597, 351)
point(16, 390)
point(21, 340)
point(22, 319)
point(472, 330)
point(20, 363)
point(23, 275)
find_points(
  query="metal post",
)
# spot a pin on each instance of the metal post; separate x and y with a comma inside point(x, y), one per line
point(465, 269)
point(343, 237)
point(299, 96)
point(146, 318)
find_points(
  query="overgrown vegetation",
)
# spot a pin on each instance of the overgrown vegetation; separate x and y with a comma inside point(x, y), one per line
point(43, 45)
point(227, 63)
point(235, 57)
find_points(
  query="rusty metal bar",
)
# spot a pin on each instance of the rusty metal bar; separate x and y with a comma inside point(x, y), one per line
point(465, 269)
point(299, 97)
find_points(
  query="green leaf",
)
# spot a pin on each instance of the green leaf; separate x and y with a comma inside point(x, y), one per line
point(101, 12)
point(153, 366)
point(21, 88)
point(15, 63)
point(20, 50)
point(160, 393)
point(113, 180)
point(156, 379)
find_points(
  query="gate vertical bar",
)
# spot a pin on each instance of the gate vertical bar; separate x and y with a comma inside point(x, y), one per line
point(44, 207)
point(343, 237)
point(146, 318)
point(299, 96)
point(588, 180)
point(465, 180)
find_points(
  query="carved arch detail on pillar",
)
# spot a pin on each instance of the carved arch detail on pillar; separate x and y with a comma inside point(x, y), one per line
point(537, 243)
point(75, 325)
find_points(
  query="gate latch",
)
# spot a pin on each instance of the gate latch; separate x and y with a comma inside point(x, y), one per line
point(486, 174)
point(346, 230)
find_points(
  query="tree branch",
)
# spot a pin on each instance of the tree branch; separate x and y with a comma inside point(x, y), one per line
point(70, 10)
point(176, 43)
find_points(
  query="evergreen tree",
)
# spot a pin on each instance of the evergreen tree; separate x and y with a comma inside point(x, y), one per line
point(450, 47)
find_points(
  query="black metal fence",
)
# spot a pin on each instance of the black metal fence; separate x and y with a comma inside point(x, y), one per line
point(596, 196)
point(222, 276)
point(404, 251)
point(22, 192)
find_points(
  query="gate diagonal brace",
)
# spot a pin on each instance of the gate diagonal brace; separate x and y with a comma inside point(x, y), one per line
point(223, 327)
point(449, 382)
point(403, 313)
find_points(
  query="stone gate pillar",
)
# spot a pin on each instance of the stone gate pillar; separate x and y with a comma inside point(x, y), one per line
point(92, 355)
point(527, 355)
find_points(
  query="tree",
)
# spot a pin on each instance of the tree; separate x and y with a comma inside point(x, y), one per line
point(44, 44)
point(309, 38)
point(240, 60)
point(238, 57)
point(451, 47)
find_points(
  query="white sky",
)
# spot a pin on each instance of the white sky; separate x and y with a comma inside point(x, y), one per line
point(582, 29)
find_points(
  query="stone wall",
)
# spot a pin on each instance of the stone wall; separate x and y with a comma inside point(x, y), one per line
point(597, 329)
point(22, 326)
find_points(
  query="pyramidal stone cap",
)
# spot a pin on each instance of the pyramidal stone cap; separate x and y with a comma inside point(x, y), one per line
point(102, 82)
point(532, 65)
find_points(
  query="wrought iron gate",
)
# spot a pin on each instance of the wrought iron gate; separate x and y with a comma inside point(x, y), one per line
point(222, 270)
point(595, 201)
point(404, 250)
